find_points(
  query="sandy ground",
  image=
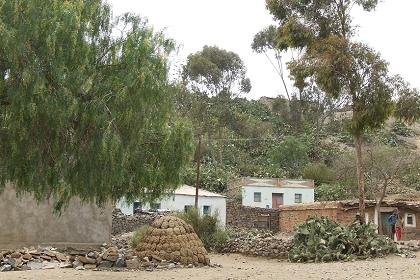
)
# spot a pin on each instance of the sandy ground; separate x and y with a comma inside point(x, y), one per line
point(240, 267)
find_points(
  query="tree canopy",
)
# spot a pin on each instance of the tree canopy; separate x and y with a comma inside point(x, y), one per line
point(85, 103)
point(214, 71)
point(322, 32)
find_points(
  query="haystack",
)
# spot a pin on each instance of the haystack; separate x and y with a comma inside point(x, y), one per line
point(171, 239)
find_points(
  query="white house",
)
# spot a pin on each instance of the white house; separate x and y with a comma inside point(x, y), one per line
point(209, 203)
point(271, 193)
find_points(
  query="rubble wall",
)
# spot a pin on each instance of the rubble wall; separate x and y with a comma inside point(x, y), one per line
point(239, 216)
point(122, 223)
point(24, 222)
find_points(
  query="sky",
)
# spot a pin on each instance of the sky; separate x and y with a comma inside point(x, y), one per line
point(392, 29)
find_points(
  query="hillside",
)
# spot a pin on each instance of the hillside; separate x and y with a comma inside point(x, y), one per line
point(269, 138)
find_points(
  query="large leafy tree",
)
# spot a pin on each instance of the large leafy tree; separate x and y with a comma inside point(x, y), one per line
point(322, 31)
point(214, 76)
point(85, 108)
point(215, 71)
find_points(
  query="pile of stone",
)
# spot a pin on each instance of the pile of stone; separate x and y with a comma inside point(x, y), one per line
point(122, 223)
point(122, 241)
point(48, 257)
point(407, 249)
point(258, 243)
point(170, 239)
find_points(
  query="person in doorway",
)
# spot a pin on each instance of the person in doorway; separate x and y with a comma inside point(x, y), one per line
point(357, 220)
point(399, 225)
point(392, 220)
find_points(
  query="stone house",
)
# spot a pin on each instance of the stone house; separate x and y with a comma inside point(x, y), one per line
point(182, 199)
point(345, 212)
point(272, 193)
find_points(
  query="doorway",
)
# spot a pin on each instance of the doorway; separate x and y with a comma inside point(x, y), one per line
point(386, 227)
point(277, 200)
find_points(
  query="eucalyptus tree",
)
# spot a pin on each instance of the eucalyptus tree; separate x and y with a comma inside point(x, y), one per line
point(215, 71)
point(264, 42)
point(220, 75)
point(85, 104)
point(323, 32)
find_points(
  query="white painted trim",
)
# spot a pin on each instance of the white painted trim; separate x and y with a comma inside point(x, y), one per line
point(406, 219)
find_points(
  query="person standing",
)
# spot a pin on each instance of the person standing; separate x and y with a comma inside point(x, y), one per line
point(392, 220)
point(399, 225)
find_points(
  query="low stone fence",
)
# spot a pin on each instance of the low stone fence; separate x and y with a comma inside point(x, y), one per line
point(238, 216)
point(258, 243)
point(122, 223)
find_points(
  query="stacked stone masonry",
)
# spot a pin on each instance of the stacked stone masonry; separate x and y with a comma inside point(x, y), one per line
point(122, 223)
point(239, 216)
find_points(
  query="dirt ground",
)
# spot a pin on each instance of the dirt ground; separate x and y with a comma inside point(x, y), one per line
point(240, 267)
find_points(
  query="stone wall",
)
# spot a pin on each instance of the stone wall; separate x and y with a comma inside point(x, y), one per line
point(122, 223)
point(258, 243)
point(24, 222)
point(239, 216)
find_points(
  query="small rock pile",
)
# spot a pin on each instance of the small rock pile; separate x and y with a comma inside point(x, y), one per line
point(122, 241)
point(171, 239)
point(258, 243)
point(47, 258)
point(122, 223)
point(407, 249)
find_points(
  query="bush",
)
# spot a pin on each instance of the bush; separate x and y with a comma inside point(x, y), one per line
point(207, 229)
point(218, 240)
point(137, 236)
point(326, 192)
point(319, 172)
point(401, 129)
point(291, 155)
point(214, 178)
point(321, 239)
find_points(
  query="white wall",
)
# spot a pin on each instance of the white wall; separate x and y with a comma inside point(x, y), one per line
point(125, 207)
point(178, 202)
point(266, 195)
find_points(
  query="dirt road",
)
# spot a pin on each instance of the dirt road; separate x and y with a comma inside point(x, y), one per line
point(240, 267)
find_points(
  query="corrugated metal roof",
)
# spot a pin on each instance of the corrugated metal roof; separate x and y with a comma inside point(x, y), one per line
point(188, 190)
point(279, 183)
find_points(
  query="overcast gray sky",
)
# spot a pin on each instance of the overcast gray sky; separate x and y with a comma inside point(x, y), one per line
point(393, 30)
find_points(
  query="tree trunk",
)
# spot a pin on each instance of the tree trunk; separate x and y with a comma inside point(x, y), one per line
point(197, 179)
point(378, 206)
point(360, 175)
point(378, 216)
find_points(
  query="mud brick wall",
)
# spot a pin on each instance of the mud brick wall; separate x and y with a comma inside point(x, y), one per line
point(239, 216)
point(293, 215)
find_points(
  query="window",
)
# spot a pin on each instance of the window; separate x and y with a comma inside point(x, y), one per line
point(410, 220)
point(136, 205)
point(187, 208)
point(257, 197)
point(206, 210)
point(155, 206)
point(298, 198)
